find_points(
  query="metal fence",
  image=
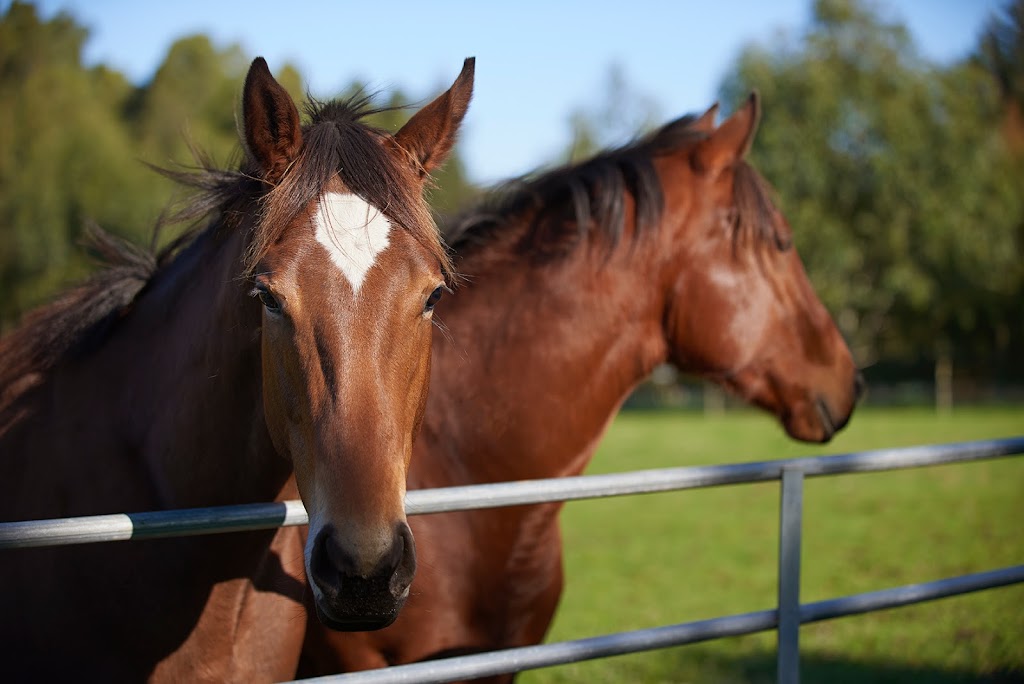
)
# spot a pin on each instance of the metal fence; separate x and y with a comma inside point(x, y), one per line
point(786, 617)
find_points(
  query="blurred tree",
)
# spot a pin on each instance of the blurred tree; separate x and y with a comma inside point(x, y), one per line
point(192, 97)
point(191, 101)
point(62, 155)
point(895, 179)
point(1002, 54)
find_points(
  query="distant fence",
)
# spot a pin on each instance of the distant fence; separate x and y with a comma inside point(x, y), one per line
point(786, 618)
point(667, 389)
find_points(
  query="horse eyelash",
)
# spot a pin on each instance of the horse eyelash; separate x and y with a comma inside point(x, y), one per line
point(256, 287)
point(439, 324)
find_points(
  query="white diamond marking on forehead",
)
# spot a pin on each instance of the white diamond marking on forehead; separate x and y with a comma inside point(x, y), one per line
point(353, 232)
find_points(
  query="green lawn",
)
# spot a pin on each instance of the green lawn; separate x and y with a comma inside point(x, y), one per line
point(642, 561)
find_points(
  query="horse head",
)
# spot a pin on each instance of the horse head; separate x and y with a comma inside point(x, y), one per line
point(743, 312)
point(347, 265)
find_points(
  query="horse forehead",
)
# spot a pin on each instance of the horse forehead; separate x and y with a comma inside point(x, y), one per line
point(353, 232)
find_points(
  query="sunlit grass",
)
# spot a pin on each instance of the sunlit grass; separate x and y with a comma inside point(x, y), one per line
point(642, 561)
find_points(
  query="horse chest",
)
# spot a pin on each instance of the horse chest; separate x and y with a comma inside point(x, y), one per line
point(521, 567)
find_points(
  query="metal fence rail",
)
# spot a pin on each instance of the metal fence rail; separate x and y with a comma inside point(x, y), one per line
point(786, 618)
point(563, 653)
point(262, 516)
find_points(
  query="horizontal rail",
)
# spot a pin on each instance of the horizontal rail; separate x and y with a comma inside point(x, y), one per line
point(262, 516)
point(182, 522)
point(533, 657)
point(694, 477)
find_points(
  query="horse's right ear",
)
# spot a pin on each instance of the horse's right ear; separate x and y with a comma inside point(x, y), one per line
point(273, 132)
point(705, 123)
point(430, 134)
point(727, 145)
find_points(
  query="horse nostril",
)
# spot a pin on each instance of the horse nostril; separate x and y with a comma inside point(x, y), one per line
point(828, 423)
point(859, 385)
point(405, 565)
point(321, 568)
point(339, 559)
point(329, 563)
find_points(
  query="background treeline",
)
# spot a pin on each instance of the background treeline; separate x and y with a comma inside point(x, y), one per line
point(905, 182)
point(902, 178)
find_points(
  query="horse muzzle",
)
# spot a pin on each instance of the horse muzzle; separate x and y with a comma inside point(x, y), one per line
point(349, 600)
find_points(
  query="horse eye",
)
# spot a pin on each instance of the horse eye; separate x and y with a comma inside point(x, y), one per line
point(433, 299)
point(269, 301)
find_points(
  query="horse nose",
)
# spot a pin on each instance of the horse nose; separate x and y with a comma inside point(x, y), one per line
point(859, 385)
point(336, 570)
point(405, 563)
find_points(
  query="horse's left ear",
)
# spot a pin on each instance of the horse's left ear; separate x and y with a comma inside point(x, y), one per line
point(430, 134)
point(731, 141)
point(272, 129)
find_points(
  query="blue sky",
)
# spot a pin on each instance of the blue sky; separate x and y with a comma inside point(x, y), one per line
point(537, 60)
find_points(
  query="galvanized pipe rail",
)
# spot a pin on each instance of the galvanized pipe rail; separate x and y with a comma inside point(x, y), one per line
point(262, 516)
point(786, 618)
point(565, 652)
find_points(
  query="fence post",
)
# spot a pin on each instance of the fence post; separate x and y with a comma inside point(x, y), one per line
point(790, 514)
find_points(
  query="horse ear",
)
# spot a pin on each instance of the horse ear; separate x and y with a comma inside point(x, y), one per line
point(430, 133)
point(272, 129)
point(731, 142)
point(706, 121)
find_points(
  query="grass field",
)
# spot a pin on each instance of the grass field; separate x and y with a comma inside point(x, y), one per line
point(642, 561)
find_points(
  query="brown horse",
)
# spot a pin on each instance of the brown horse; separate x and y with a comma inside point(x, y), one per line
point(289, 332)
point(577, 284)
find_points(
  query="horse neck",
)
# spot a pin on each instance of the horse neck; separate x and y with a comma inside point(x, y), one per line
point(202, 417)
point(537, 360)
point(165, 411)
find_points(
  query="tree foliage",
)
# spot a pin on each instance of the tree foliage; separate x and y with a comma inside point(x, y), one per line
point(62, 151)
point(1001, 53)
point(896, 177)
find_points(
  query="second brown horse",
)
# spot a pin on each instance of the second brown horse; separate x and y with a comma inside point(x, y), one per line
point(577, 284)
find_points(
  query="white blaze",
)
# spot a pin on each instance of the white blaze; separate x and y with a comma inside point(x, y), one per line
point(353, 233)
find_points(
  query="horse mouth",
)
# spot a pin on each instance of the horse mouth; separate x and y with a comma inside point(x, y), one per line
point(357, 622)
point(364, 606)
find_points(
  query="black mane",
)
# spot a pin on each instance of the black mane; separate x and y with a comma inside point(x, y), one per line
point(77, 319)
point(564, 206)
point(567, 203)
